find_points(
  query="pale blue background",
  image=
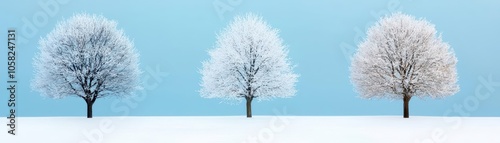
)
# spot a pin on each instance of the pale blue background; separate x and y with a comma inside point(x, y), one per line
point(175, 35)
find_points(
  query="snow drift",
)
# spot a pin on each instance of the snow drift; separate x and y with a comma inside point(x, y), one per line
point(239, 129)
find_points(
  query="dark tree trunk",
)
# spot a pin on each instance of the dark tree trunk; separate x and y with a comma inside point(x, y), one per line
point(249, 107)
point(406, 102)
point(89, 108)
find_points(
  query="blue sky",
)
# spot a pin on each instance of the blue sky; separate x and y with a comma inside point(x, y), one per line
point(173, 38)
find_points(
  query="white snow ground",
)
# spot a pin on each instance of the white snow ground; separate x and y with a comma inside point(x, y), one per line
point(239, 129)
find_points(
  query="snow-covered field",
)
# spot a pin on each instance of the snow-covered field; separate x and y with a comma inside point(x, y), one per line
point(239, 129)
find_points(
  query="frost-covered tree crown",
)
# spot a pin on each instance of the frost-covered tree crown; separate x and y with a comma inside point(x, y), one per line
point(86, 56)
point(403, 56)
point(249, 61)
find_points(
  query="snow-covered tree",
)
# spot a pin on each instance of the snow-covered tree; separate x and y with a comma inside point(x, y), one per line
point(88, 57)
point(249, 62)
point(403, 57)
